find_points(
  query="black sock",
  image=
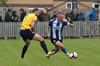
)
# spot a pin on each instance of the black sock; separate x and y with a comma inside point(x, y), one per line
point(43, 45)
point(24, 51)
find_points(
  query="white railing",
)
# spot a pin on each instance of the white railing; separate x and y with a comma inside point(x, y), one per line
point(11, 29)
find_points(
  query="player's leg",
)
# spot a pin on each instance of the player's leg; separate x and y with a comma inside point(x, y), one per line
point(60, 44)
point(65, 51)
point(54, 51)
point(27, 36)
point(55, 42)
point(42, 43)
point(27, 43)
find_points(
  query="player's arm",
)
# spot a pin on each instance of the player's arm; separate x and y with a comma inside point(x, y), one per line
point(47, 30)
point(71, 25)
point(48, 27)
point(32, 26)
point(68, 23)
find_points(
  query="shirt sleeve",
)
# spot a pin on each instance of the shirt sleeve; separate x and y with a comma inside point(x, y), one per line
point(50, 23)
point(66, 23)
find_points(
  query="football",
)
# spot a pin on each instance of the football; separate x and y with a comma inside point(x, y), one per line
point(73, 55)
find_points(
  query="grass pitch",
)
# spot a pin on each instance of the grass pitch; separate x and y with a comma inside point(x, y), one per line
point(88, 53)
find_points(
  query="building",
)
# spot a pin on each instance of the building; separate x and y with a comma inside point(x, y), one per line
point(29, 3)
point(52, 3)
point(77, 3)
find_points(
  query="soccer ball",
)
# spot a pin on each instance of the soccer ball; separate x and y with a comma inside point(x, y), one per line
point(73, 55)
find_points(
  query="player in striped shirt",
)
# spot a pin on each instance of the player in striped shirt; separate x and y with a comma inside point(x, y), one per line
point(55, 34)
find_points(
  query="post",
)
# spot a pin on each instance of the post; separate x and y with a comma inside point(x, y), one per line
point(73, 5)
point(98, 9)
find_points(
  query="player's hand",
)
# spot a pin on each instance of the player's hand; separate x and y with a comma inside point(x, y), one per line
point(71, 25)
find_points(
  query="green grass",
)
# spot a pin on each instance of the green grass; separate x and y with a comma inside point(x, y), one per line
point(88, 53)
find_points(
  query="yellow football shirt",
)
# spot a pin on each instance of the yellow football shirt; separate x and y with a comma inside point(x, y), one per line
point(27, 21)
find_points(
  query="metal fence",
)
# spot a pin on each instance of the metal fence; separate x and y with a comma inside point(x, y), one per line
point(11, 29)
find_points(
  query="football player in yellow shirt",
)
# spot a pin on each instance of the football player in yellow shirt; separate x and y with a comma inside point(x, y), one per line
point(27, 31)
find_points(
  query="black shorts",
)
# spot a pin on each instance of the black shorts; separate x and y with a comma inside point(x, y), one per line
point(26, 34)
point(55, 40)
